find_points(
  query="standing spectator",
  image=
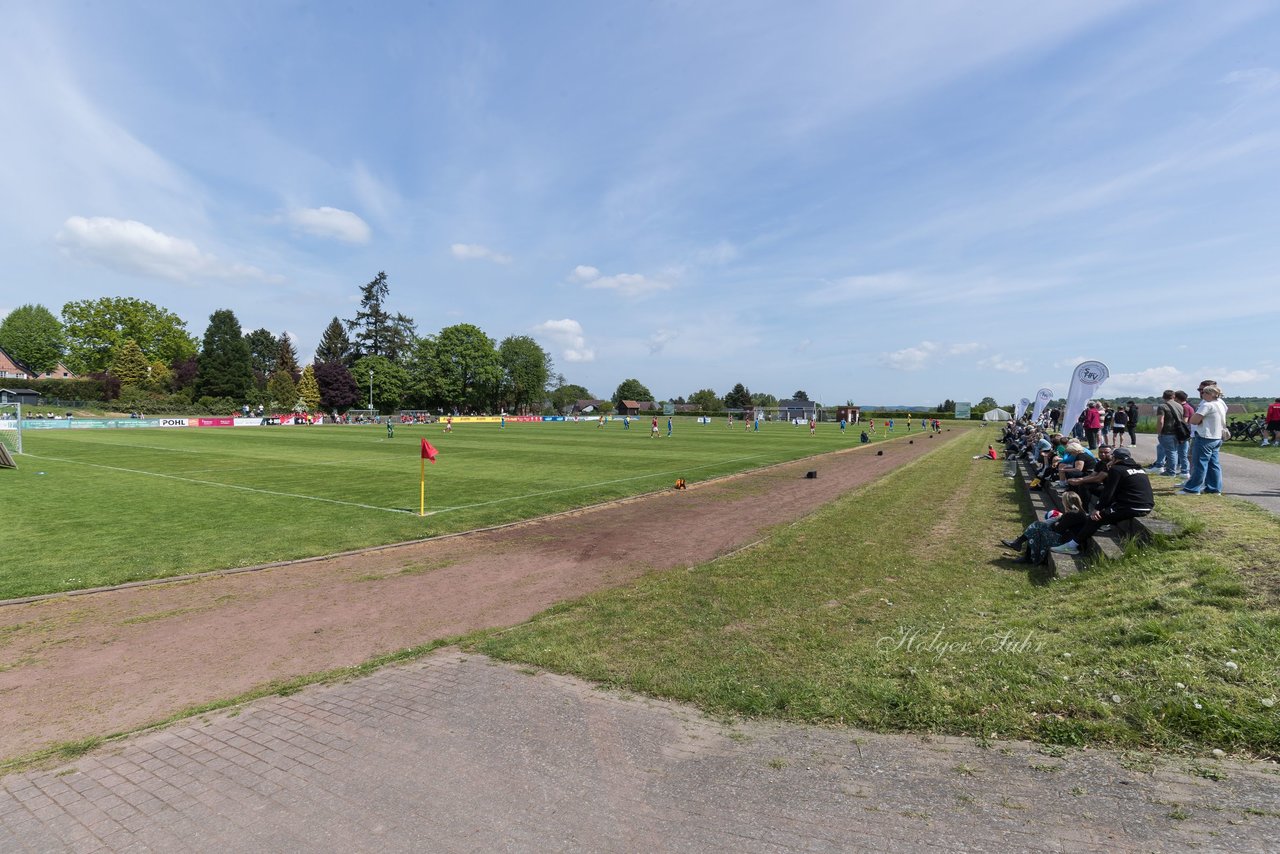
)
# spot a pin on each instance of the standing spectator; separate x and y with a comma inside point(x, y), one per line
point(1131, 413)
point(1273, 424)
point(1119, 425)
point(1184, 447)
point(1092, 423)
point(1169, 416)
point(1107, 415)
point(1207, 425)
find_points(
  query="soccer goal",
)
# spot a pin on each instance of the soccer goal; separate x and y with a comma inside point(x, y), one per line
point(10, 433)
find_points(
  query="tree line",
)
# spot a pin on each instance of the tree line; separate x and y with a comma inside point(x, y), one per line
point(142, 357)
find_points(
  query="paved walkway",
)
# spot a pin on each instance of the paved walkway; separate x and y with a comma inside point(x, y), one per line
point(459, 753)
point(1253, 480)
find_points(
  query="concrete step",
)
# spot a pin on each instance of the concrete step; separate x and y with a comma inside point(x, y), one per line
point(1109, 543)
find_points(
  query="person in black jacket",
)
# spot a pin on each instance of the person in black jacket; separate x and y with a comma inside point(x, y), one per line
point(1126, 494)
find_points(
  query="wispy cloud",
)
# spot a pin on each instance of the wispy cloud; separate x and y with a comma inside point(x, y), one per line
point(477, 252)
point(331, 223)
point(1255, 80)
point(132, 247)
point(568, 336)
point(928, 353)
point(659, 340)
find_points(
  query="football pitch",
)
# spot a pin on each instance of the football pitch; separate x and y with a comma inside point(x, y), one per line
point(101, 507)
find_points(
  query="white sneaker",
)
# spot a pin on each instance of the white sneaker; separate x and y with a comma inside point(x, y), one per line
point(1066, 549)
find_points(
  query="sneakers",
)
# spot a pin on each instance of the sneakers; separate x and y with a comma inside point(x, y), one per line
point(1059, 484)
point(1011, 544)
point(1066, 549)
point(1187, 492)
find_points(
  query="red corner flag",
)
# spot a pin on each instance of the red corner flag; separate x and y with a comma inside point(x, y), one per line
point(428, 452)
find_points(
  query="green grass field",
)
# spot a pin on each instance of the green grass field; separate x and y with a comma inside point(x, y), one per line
point(104, 507)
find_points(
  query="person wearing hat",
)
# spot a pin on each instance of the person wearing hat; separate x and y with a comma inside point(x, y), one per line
point(1126, 494)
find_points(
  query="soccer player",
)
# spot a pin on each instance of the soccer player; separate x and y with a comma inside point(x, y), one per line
point(448, 424)
point(813, 426)
point(842, 423)
point(653, 432)
point(391, 429)
point(655, 421)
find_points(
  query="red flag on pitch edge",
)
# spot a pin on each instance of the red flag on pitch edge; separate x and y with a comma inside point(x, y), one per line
point(428, 452)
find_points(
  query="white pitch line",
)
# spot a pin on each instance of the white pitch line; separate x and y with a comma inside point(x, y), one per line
point(592, 485)
point(226, 485)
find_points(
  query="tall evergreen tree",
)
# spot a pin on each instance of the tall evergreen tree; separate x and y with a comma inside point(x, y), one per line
point(130, 365)
point(335, 346)
point(264, 350)
point(738, 397)
point(225, 369)
point(309, 389)
point(287, 358)
point(372, 323)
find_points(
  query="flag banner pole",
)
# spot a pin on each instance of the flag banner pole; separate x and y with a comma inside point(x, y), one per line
point(422, 489)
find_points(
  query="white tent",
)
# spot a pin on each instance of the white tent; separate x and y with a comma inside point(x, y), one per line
point(996, 415)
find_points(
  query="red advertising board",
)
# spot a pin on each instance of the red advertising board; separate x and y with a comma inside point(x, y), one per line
point(215, 422)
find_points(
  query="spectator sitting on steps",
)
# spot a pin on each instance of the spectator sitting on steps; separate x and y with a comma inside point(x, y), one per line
point(1126, 494)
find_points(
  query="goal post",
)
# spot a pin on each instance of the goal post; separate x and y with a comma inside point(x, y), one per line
point(10, 433)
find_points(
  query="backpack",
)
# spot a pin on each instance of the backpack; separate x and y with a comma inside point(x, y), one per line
point(1181, 431)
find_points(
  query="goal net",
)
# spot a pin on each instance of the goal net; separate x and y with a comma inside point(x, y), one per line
point(10, 433)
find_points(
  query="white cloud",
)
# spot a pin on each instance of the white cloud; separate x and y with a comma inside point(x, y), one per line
point(477, 252)
point(911, 358)
point(132, 247)
point(331, 223)
point(660, 339)
point(568, 336)
point(627, 284)
point(584, 273)
point(967, 347)
point(999, 363)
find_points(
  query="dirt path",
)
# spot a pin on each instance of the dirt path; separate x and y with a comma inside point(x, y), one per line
point(76, 667)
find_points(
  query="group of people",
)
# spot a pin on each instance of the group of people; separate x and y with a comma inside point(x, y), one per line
point(1099, 487)
point(1101, 483)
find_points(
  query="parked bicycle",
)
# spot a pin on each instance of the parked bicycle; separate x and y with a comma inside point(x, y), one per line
point(1247, 431)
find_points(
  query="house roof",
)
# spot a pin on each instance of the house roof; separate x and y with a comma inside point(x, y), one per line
point(630, 404)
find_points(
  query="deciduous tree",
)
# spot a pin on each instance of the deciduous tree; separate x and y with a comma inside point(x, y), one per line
point(467, 368)
point(525, 369)
point(95, 328)
point(338, 389)
point(631, 389)
point(33, 336)
point(706, 400)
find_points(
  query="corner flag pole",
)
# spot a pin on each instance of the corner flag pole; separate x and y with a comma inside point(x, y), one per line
point(428, 453)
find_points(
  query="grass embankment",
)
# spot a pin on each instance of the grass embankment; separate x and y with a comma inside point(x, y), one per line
point(894, 609)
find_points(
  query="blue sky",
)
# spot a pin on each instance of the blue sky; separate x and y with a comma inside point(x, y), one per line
point(879, 202)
